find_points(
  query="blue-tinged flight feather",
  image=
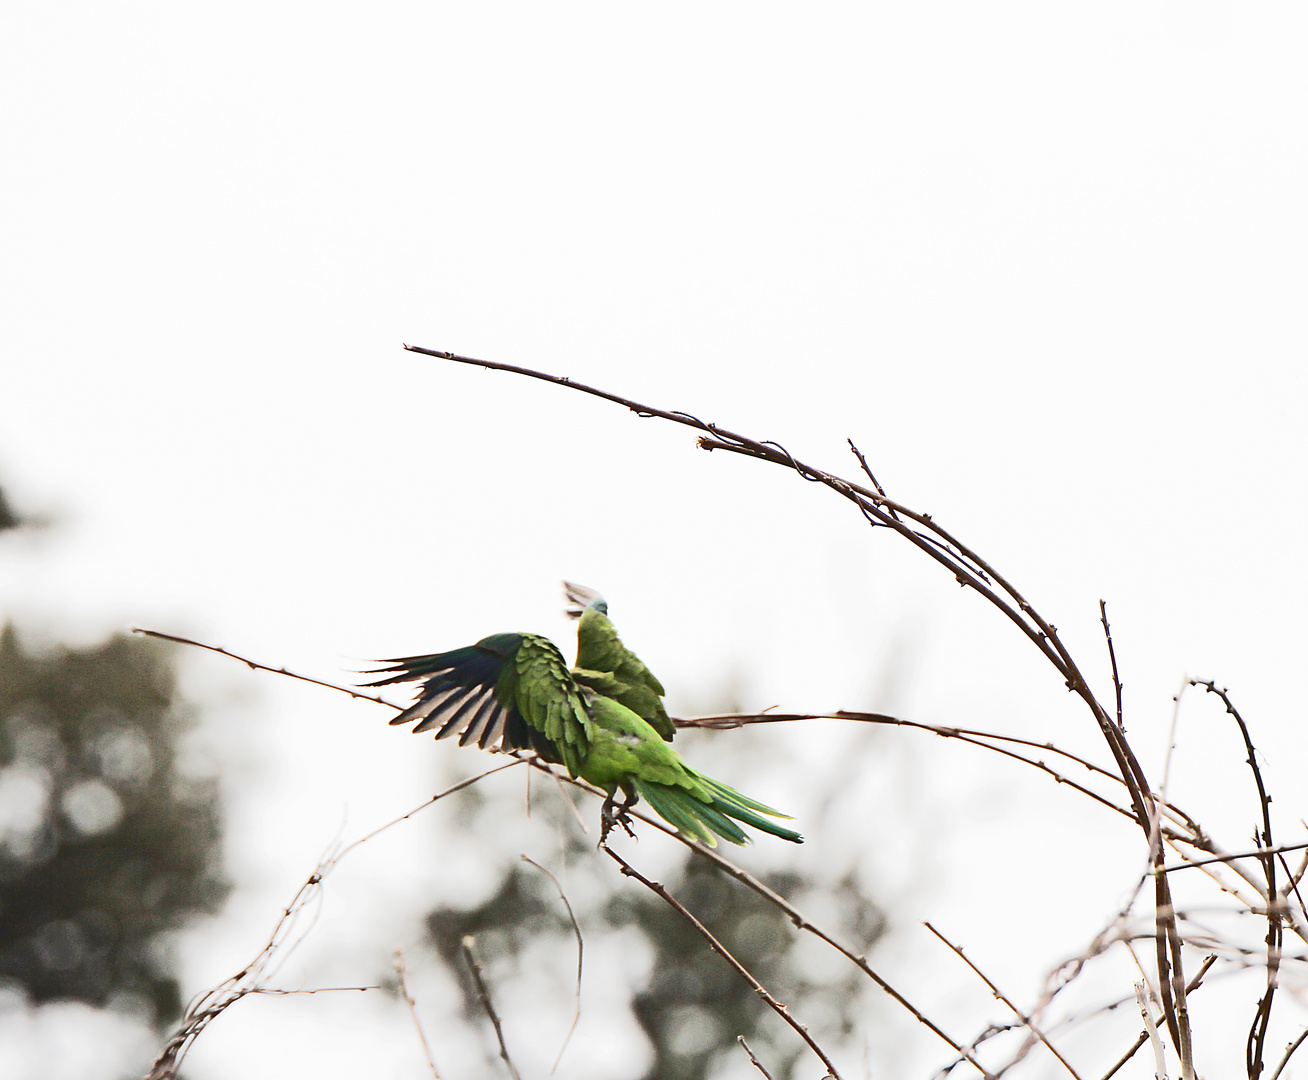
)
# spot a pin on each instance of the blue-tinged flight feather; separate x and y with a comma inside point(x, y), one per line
point(506, 692)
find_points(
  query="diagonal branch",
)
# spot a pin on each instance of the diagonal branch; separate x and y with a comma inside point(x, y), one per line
point(776, 1006)
point(1026, 1020)
point(483, 995)
point(254, 665)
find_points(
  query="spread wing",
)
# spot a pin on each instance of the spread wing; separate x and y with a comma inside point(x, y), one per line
point(506, 692)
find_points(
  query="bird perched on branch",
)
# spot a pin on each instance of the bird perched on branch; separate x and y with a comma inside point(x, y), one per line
point(604, 720)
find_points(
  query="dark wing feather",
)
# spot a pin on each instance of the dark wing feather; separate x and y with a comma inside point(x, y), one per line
point(506, 692)
point(460, 692)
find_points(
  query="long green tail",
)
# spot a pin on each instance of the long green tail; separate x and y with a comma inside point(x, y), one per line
point(701, 820)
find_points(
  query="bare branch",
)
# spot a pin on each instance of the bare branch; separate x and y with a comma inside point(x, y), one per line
point(723, 721)
point(254, 665)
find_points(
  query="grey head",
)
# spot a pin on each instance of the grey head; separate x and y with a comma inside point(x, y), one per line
point(580, 598)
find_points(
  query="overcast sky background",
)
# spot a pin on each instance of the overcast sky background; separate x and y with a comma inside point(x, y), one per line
point(1043, 263)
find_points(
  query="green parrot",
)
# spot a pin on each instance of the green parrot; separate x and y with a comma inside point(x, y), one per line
point(515, 692)
point(607, 666)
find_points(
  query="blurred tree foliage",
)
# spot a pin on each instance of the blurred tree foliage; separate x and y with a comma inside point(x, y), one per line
point(8, 518)
point(105, 843)
point(693, 1004)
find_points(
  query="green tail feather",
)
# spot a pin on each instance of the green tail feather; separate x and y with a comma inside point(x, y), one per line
point(700, 820)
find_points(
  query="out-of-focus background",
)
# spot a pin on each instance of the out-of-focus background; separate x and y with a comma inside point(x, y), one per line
point(1043, 265)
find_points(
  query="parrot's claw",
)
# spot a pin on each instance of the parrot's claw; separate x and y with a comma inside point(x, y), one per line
point(613, 813)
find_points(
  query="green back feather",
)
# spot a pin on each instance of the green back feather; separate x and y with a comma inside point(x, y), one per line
point(608, 667)
point(627, 752)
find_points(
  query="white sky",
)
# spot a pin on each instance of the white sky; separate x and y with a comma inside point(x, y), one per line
point(1043, 263)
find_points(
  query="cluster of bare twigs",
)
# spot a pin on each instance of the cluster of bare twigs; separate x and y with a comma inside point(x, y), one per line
point(1258, 881)
point(297, 919)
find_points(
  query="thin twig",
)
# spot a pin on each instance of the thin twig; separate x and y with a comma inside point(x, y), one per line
point(1026, 1020)
point(1256, 853)
point(1285, 1058)
point(862, 462)
point(756, 1063)
point(402, 972)
point(466, 944)
point(1292, 884)
point(576, 929)
point(1112, 656)
point(254, 665)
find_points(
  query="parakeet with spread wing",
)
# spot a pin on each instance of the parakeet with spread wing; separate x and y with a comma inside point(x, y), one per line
point(604, 720)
